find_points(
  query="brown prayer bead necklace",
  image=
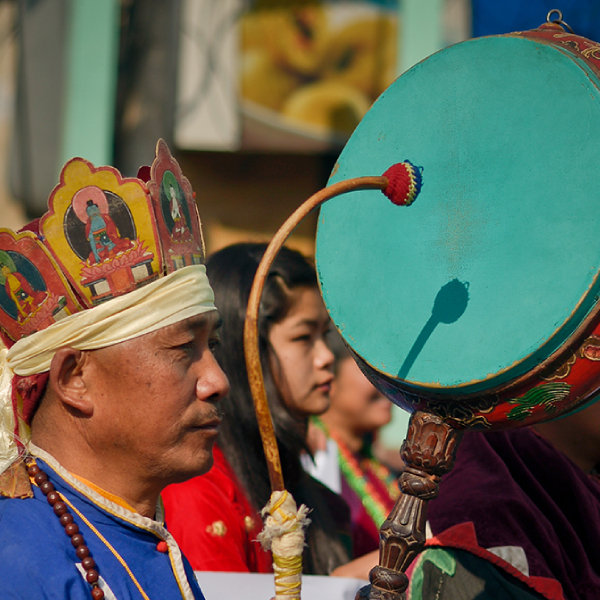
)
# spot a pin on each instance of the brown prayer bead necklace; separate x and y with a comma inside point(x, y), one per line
point(71, 528)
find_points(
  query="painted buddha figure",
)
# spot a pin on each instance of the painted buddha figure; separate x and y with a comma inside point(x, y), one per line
point(18, 289)
point(102, 234)
point(180, 231)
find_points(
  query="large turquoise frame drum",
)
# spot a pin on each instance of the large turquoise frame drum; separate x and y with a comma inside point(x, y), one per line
point(477, 305)
point(492, 274)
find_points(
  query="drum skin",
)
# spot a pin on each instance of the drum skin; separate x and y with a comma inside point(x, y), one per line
point(479, 302)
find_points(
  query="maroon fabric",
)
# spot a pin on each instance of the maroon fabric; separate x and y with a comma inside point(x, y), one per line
point(518, 490)
point(365, 533)
point(30, 389)
point(33, 226)
point(144, 173)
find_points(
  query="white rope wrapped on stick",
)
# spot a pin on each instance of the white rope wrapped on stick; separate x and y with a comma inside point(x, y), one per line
point(283, 534)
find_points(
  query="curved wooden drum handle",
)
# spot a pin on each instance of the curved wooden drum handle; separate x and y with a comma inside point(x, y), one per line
point(428, 452)
point(251, 352)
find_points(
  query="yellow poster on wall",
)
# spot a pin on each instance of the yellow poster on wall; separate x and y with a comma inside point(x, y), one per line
point(310, 70)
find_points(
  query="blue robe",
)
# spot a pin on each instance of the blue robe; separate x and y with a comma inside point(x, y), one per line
point(37, 559)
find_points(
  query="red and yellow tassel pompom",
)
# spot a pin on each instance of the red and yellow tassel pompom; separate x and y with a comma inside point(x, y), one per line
point(405, 183)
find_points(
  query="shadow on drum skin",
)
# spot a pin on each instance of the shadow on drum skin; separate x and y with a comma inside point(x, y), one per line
point(449, 305)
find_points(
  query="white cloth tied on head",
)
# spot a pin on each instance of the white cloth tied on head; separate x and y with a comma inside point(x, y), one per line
point(178, 296)
point(8, 448)
point(182, 294)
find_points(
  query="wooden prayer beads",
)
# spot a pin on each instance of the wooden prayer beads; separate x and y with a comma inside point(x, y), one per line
point(71, 528)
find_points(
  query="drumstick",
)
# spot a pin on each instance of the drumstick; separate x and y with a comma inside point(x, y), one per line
point(401, 183)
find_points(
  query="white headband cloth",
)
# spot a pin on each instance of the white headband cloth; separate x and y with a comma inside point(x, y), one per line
point(182, 294)
point(9, 451)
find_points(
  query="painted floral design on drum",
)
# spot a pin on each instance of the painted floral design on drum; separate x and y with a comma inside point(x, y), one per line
point(468, 414)
point(591, 348)
point(560, 371)
point(546, 395)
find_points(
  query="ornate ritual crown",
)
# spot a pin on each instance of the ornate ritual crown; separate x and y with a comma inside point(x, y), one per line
point(103, 236)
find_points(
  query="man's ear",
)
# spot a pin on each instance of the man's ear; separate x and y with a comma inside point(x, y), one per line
point(67, 378)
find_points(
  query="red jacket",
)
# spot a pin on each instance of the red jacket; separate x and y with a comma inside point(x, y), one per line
point(213, 522)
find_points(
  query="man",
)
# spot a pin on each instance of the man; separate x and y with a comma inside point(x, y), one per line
point(121, 397)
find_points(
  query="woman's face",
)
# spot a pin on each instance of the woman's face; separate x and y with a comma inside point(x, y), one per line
point(303, 364)
point(355, 403)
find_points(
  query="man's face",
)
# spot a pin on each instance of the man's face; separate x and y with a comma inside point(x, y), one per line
point(156, 400)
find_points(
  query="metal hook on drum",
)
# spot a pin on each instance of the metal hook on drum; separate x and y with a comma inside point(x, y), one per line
point(559, 21)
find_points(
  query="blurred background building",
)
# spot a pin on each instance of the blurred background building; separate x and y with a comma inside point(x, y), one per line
point(255, 97)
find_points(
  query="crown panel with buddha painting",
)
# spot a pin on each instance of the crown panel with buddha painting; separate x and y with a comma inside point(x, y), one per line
point(33, 292)
point(100, 228)
point(176, 212)
point(103, 234)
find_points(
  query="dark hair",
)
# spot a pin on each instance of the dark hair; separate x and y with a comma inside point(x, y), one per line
point(231, 273)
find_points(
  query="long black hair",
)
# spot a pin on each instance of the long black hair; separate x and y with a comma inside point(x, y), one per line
point(231, 273)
